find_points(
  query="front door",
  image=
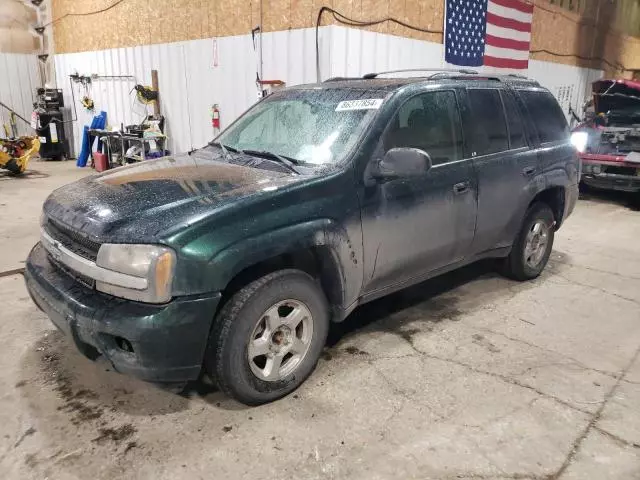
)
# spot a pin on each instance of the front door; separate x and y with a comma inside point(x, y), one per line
point(413, 226)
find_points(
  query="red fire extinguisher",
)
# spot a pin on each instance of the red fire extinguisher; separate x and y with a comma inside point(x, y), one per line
point(215, 117)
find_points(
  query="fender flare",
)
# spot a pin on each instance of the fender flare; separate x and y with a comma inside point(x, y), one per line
point(324, 232)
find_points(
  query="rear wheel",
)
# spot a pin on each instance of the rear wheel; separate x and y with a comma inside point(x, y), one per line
point(532, 247)
point(268, 337)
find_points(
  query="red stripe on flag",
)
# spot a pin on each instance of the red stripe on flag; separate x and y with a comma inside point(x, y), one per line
point(505, 63)
point(499, 21)
point(515, 4)
point(506, 43)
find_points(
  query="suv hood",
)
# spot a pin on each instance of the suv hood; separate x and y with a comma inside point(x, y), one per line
point(613, 95)
point(140, 202)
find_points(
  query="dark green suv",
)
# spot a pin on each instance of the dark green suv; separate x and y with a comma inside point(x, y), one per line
point(237, 256)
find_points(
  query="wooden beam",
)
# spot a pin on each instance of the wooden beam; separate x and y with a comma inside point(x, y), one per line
point(154, 85)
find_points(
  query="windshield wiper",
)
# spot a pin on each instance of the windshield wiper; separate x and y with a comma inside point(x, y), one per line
point(288, 162)
point(225, 150)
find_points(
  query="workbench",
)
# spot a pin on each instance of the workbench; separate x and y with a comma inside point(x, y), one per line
point(121, 142)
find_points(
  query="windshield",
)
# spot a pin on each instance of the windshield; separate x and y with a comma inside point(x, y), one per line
point(312, 126)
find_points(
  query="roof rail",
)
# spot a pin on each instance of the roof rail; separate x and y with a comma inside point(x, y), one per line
point(489, 76)
point(464, 71)
point(512, 76)
point(341, 79)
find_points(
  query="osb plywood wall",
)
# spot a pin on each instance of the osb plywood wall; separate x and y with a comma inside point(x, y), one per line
point(135, 22)
point(563, 32)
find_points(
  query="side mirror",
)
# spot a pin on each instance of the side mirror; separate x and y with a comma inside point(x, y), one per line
point(401, 163)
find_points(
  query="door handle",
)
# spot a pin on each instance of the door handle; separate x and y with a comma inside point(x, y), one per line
point(461, 187)
point(528, 171)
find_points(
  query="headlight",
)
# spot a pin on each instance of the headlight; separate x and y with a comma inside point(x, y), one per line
point(580, 141)
point(154, 263)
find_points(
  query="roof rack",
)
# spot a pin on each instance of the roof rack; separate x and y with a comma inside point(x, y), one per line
point(464, 71)
point(451, 73)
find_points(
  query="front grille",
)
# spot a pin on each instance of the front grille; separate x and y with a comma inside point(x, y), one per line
point(77, 276)
point(620, 170)
point(72, 240)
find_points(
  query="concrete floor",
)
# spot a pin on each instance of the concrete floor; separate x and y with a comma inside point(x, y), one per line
point(466, 376)
point(21, 200)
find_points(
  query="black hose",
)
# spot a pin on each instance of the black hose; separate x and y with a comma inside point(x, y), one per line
point(340, 18)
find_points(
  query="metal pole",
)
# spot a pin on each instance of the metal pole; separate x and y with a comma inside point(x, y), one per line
point(15, 113)
point(261, 30)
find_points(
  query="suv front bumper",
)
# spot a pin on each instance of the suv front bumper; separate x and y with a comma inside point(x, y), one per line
point(159, 343)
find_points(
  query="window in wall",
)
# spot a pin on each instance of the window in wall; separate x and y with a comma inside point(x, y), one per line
point(489, 129)
point(430, 122)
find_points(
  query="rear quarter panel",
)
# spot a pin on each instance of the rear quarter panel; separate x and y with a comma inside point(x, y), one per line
point(559, 162)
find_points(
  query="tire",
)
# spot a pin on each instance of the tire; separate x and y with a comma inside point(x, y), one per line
point(13, 167)
point(247, 323)
point(516, 266)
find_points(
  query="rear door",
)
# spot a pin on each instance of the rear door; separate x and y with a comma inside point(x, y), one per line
point(558, 158)
point(507, 169)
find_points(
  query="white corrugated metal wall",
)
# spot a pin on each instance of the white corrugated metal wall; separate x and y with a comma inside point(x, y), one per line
point(190, 83)
point(571, 85)
point(19, 78)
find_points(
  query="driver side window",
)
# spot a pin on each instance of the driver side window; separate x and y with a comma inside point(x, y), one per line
point(430, 122)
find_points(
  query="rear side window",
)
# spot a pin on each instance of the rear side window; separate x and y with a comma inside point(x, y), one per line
point(489, 133)
point(514, 120)
point(430, 122)
point(546, 115)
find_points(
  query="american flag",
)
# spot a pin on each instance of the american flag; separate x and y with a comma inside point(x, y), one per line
point(490, 33)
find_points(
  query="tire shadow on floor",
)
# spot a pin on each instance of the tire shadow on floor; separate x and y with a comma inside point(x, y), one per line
point(444, 298)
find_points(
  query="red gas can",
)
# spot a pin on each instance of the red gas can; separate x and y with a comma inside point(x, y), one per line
point(100, 162)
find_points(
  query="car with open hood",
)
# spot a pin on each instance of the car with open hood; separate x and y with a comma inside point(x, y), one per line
point(609, 141)
point(235, 258)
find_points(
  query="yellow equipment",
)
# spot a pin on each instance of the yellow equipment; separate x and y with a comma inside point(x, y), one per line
point(16, 153)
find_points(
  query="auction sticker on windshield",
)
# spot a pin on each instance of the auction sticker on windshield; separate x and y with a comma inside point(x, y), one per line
point(363, 104)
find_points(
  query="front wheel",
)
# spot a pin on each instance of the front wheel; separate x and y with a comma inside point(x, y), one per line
point(532, 247)
point(268, 337)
